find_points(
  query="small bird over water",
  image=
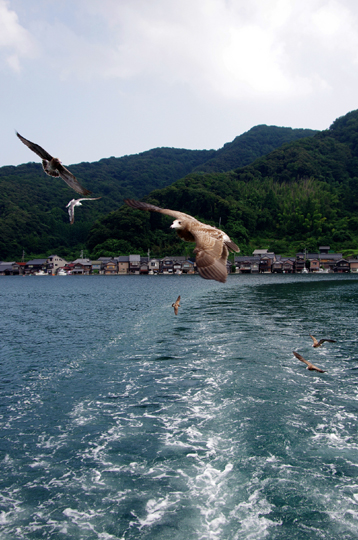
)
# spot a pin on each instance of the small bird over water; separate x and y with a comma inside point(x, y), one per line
point(212, 244)
point(77, 202)
point(310, 366)
point(317, 343)
point(53, 167)
point(176, 305)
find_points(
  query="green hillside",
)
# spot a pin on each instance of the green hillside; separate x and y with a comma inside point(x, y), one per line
point(33, 216)
point(258, 141)
point(302, 195)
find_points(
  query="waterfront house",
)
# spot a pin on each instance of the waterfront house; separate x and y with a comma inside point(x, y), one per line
point(54, 262)
point(110, 267)
point(35, 265)
point(288, 265)
point(122, 264)
point(245, 264)
point(8, 268)
point(167, 265)
point(300, 263)
point(134, 264)
point(153, 266)
point(81, 267)
point(353, 265)
point(188, 267)
point(342, 266)
point(96, 267)
point(283, 265)
point(266, 262)
point(314, 265)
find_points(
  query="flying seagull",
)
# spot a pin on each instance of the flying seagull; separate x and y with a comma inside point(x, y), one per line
point(317, 343)
point(53, 167)
point(310, 366)
point(212, 244)
point(77, 202)
point(176, 305)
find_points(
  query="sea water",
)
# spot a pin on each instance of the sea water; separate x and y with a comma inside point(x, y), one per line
point(120, 420)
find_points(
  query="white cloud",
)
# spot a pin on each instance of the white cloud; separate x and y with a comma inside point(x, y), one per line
point(217, 47)
point(15, 41)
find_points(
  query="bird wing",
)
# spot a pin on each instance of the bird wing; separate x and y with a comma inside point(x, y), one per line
point(211, 255)
point(71, 180)
point(317, 369)
point(328, 340)
point(309, 364)
point(139, 205)
point(297, 355)
point(315, 342)
point(35, 148)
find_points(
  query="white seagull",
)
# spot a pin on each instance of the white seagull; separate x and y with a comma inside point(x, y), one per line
point(77, 202)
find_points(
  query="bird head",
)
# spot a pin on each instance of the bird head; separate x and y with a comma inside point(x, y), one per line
point(177, 224)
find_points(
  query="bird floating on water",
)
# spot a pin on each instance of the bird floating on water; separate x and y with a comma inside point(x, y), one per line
point(212, 244)
point(310, 366)
point(53, 167)
point(319, 343)
point(176, 305)
point(77, 202)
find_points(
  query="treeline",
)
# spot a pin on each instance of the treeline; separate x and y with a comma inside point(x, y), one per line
point(298, 197)
point(33, 216)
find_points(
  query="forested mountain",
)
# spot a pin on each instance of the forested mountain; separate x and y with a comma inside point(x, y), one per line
point(301, 195)
point(33, 216)
point(257, 142)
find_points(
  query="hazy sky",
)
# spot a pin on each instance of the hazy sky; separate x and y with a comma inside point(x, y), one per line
point(88, 79)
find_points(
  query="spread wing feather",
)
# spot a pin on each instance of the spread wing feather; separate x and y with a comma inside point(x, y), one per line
point(139, 205)
point(35, 148)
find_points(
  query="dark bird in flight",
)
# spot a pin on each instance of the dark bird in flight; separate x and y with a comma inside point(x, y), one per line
point(176, 305)
point(53, 167)
point(212, 244)
point(310, 366)
point(317, 343)
point(77, 202)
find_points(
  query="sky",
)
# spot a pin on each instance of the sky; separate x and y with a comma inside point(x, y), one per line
point(90, 79)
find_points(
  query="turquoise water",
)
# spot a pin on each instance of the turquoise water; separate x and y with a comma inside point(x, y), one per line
point(121, 421)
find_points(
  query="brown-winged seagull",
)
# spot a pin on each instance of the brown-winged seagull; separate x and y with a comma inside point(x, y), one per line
point(77, 202)
point(317, 343)
point(212, 244)
point(53, 167)
point(310, 366)
point(176, 305)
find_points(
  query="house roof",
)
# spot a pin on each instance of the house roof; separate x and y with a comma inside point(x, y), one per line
point(37, 261)
point(134, 258)
point(6, 266)
point(82, 261)
point(247, 258)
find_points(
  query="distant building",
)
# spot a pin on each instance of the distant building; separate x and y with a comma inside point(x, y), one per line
point(134, 264)
point(35, 265)
point(122, 264)
point(54, 262)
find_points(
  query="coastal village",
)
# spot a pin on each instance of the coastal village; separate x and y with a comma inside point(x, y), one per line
point(261, 261)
